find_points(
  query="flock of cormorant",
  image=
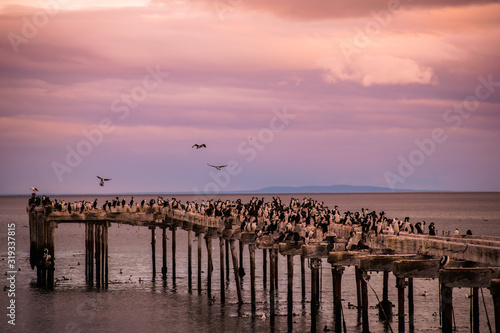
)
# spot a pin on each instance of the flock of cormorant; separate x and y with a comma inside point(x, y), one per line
point(300, 221)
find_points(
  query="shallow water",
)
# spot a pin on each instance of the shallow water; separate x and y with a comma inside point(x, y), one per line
point(135, 302)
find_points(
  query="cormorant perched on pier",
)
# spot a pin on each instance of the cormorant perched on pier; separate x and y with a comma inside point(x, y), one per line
point(432, 229)
point(443, 261)
point(103, 180)
point(199, 146)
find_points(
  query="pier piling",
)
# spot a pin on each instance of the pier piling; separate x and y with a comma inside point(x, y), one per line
point(235, 268)
point(174, 228)
point(198, 238)
point(221, 263)
point(164, 253)
point(153, 250)
point(251, 250)
point(289, 259)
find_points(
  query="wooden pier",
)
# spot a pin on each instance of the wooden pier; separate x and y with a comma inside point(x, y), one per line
point(456, 261)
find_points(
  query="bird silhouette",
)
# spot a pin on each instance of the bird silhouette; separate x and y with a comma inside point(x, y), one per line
point(199, 146)
point(103, 180)
point(218, 167)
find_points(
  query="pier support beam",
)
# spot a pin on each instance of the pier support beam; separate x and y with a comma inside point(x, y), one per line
point(153, 250)
point(98, 256)
point(276, 269)
point(447, 308)
point(303, 276)
point(364, 301)
point(411, 306)
point(289, 259)
point(235, 268)
point(475, 310)
point(221, 263)
point(494, 288)
point(190, 261)
point(164, 253)
point(173, 255)
point(264, 268)
point(385, 306)
point(227, 260)
point(241, 269)
point(198, 236)
point(337, 296)
point(358, 289)
point(272, 303)
point(209, 266)
point(251, 250)
point(401, 284)
point(105, 255)
point(315, 264)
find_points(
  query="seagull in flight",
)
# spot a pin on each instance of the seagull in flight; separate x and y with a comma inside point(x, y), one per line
point(218, 167)
point(34, 189)
point(199, 146)
point(103, 180)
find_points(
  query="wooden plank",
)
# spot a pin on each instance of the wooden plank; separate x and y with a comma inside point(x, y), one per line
point(380, 263)
point(468, 277)
point(428, 268)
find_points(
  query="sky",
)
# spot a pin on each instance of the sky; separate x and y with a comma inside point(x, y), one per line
point(400, 94)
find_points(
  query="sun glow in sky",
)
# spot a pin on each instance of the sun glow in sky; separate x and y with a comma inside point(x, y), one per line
point(401, 94)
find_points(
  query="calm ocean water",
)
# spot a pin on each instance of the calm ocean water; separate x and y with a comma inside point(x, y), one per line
point(157, 306)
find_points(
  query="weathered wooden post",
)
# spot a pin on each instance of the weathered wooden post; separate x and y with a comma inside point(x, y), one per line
point(241, 269)
point(221, 263)
point(251, 249)
point(364, 301)
point(153, 249)
point(289, 259)
point(400, 284)
point(276, 275)
point(314, 292)
point(164, 253)
point(494, 288)
point(447, 308)
point(51, 250)
point(190, 260)
point(235, 268)
point(303, 276)
point(227, 260)
point(91, 253)
point(199, 261)
point(173, 255)
point(475, 310)
point(264, 268)
point(411, 306)
point(272, 272)
point(358, 289)
point(106, 255)
point(98, 256)
point(385, 306)
point(87, 252)
point(208, 241)
point(337, 297)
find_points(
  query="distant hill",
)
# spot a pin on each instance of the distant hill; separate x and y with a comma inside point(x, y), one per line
point(328, 189)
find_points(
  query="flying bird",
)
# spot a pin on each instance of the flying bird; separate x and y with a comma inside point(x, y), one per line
point(218, 167)
point(34, 189)
point(103, 180)
point(199, 146)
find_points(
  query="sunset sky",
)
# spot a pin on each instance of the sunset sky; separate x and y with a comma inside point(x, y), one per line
point(401, 94)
